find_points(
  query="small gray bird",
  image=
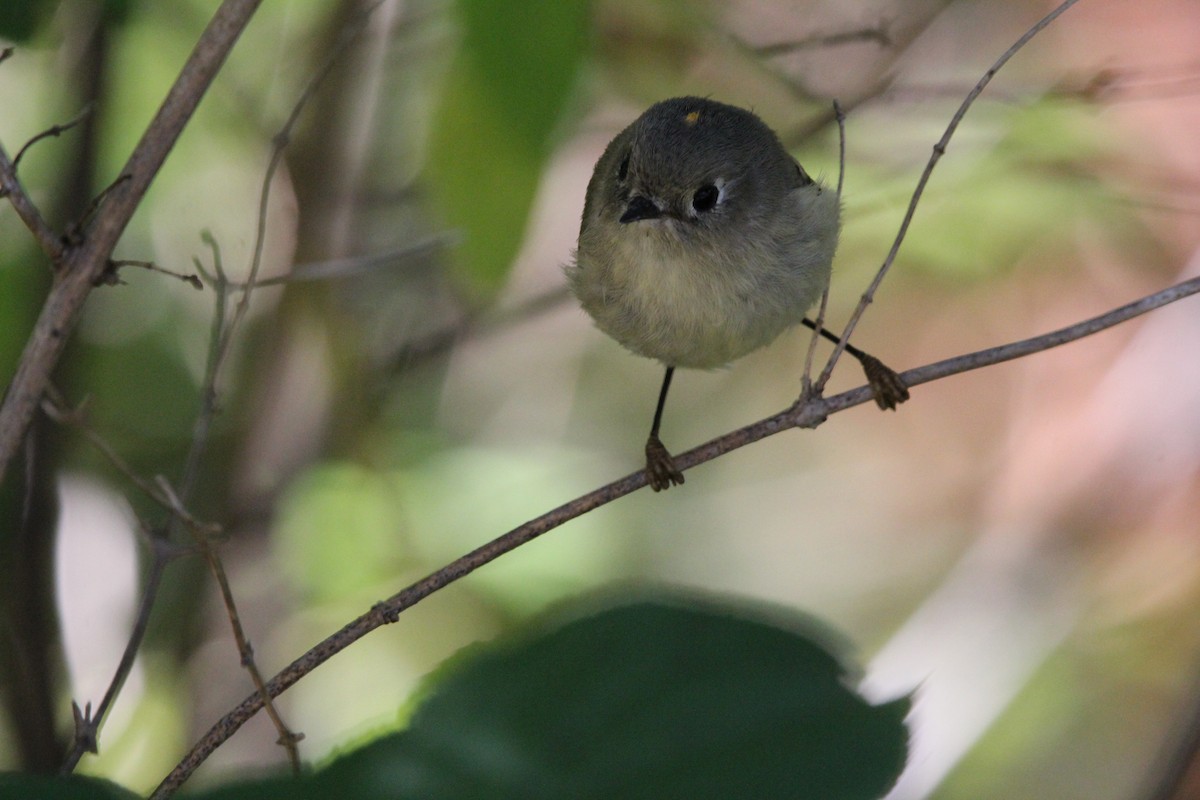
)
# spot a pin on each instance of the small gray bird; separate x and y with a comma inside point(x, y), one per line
point(702, 239)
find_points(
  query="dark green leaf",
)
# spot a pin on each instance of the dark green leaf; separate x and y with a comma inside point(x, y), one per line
point(649, 700)
point(21, 18)
point(70, 787)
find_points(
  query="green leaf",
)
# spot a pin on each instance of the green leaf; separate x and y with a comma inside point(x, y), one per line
point(649, 700)
point(503, 98)
point(21, 18)
point(53, 787)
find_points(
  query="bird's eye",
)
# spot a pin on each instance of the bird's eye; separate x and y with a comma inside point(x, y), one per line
point(623, 170)
point(705, 198)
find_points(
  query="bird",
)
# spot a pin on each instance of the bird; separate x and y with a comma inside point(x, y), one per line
point(702, 239)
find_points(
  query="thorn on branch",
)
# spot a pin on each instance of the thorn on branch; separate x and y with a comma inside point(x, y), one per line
point(5, 54)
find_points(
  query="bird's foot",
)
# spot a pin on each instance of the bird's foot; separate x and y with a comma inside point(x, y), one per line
point(888, 388)
point(661, 471)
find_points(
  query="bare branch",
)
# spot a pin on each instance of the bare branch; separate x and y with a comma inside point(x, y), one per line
point(110, 274)
point(57, 409)
point(53, 130)
point(82, 265)
point(878, 34)
point(287, 738)
point(87, 724)
point(11, 188)
point(938, 150)
point(341, 268)
point(223, 331)
point(807, 412)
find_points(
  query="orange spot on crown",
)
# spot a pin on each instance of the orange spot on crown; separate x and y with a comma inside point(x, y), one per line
point(692, 117)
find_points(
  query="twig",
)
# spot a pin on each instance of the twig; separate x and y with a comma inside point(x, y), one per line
point(439, 342)
point(82, 265)
point(341, 268)
point(11, 188)
point(73, 235)
point(221, 340)
point(57, 409)
point(805, 413)
point(287, 738)
point(192, 280)
point(279, 144)
point(938, 150)
point(878, 34)
point(87, 724)
point(818, 326)
point(53, 130)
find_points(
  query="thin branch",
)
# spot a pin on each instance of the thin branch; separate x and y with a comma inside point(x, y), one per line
point(57, 409)
point(11, 188)
point(73, 236)
point(818, 326)
point(878, 34)
point(341, 268)
point(279, 144)
point(82, 265)
point(224, 330)
point(53, 130)
point(87, 724)
point(287, 738)
point(938, 150)
point(805, 413)
point(110, 275)
point(440, 341)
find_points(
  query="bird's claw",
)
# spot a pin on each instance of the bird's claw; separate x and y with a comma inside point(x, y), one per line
point(661, 471)
point(888, 388)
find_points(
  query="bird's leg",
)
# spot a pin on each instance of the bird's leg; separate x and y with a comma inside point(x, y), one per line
point(887, 386)
point(661, 471)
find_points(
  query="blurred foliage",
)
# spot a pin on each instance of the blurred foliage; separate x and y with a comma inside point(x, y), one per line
point(503, 102)
point(1009, 183)
point(362, 505)
point(22, 17)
